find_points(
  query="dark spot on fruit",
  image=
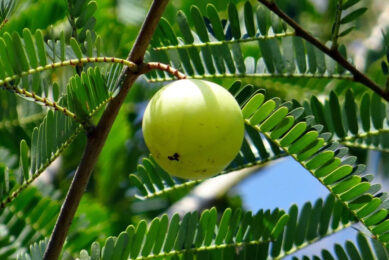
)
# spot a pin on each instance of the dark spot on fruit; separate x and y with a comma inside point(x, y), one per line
point(204, 170)
point(174, 157)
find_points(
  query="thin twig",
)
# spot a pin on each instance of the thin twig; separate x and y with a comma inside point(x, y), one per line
point(41, 100)
point(222, 42)
point(73, 62)
point(358, 76)
point(263, 75)
point(98, 135)
point(167, 68)
point(47, 103)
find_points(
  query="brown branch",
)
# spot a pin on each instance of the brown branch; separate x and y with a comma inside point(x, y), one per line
point(98, 135)
point(333, 53)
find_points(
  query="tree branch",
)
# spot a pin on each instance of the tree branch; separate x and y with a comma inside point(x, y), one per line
point(98, 135)
point(333, 53)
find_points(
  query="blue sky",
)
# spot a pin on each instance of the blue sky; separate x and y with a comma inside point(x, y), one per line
point(283, 184)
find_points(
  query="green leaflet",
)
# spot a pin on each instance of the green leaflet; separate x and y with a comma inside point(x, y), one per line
point(24, 159)
point(188, 37)
point(353, 15)
point(263, 112)
point(349, 4)
point(249, 19)
point(234, 20)
point(40, 48)
point(76, 48)
point(273, 120)
point(255, 102)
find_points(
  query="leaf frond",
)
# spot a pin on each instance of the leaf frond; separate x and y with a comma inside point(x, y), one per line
point(305, 142)
point(37, 213)
point(24, 58)
point(362, 248)
point(86, 94)
point(32, 211)
point(356, 123)
point(22, 180)
point(194, 235)
point(310, 224)
point(207, 46)
point(236, 233)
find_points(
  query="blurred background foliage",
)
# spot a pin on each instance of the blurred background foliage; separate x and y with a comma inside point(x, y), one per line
point(109, 203)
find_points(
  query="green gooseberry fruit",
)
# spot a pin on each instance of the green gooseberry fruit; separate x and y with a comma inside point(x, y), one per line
point(193, 128)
